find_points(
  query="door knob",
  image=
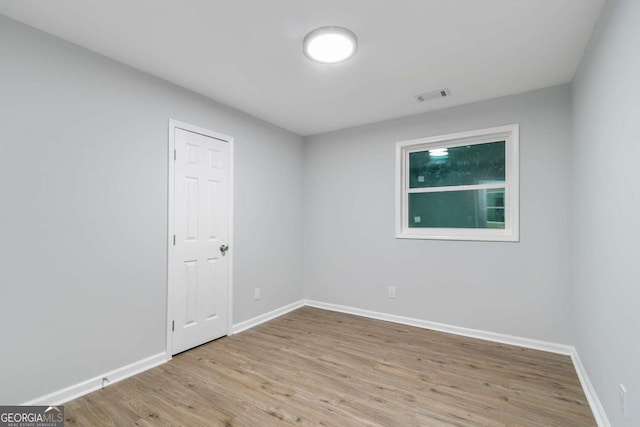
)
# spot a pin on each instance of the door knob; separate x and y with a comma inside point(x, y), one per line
point(224, 249)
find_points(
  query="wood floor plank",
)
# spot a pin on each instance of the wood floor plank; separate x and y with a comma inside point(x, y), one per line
point(314, 367)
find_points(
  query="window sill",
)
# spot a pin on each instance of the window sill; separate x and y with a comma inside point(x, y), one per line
point(479, 235)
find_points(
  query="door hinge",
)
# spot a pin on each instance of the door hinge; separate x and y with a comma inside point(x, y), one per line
point(173, 326)
point(174, 240)
point(174, 154)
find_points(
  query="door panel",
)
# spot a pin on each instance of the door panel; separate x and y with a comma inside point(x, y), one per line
point(201, 227)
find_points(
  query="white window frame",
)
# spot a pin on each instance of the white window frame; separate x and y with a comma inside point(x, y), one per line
point(511, 233)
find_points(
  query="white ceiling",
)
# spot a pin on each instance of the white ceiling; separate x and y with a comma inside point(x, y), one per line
point(248, 53)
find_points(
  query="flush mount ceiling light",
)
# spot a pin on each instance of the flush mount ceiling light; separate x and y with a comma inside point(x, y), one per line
point(330, 44)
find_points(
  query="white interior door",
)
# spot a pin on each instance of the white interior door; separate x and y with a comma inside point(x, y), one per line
point(198, 281)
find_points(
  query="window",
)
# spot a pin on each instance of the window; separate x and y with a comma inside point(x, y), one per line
point(459, 187)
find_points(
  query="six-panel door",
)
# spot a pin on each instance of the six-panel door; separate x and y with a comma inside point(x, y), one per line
point(201, 226)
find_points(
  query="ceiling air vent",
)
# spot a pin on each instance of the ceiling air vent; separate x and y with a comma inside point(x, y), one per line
point(434, 94)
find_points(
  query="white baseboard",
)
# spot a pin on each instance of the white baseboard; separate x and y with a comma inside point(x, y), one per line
point(568, 350)
point(596, 406)
point(248, 324)
point(85, 387)
point(69, 393)
point(450, 329)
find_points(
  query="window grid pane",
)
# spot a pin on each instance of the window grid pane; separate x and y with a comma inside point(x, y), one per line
point(462, 165)
point(457, 209)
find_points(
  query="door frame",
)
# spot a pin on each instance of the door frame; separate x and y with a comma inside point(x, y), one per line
point(173, 125)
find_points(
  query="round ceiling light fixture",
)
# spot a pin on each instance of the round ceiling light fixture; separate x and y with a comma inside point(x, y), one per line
point(330, 45)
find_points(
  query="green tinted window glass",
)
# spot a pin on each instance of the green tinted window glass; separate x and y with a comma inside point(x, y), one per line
point(457, 209)
point(465, 165)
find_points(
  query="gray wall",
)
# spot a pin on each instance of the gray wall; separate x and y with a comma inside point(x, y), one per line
point(83, 216)
point(351, 254)
point(606, 204)
point(83, 181)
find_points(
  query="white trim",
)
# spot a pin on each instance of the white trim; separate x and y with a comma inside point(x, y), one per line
point(511, 232)
point(170, 205)
point(450, 329)
point(85, 387)
point(456, 188)
point(175, 124)
point(248, 324)
point(467, 234)
point(72, 392)
point(231, 245)
point(592, 397)
point(568, 350)
point(471, 135)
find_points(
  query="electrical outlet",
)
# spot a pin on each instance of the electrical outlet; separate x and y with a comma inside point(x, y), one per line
point(623, 400)
point(256, 294)
point(392, 291)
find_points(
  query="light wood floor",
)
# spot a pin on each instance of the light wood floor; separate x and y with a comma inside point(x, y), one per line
point(316, 367)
